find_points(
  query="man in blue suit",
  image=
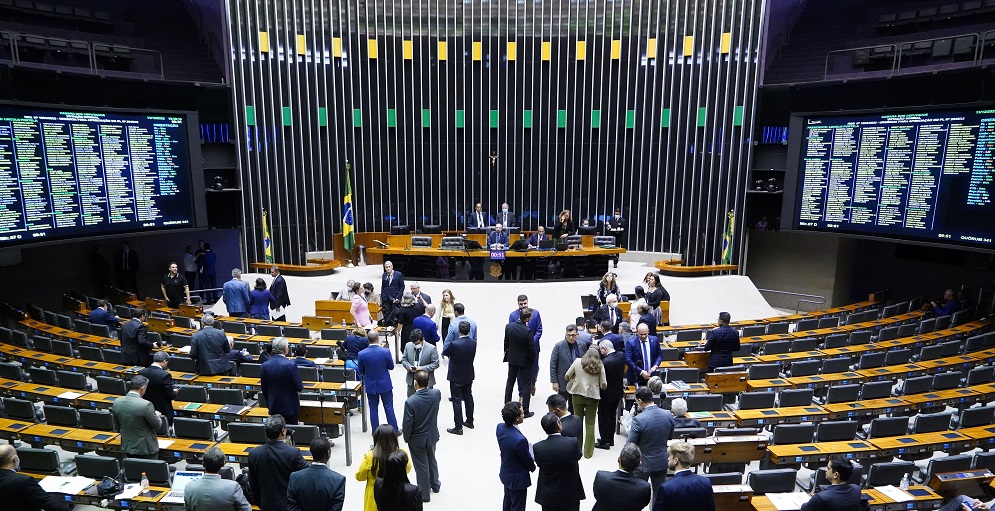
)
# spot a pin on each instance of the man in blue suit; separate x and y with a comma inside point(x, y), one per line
point(316, 488)
point(281, 383)
point(516, 458)
point(535, 330)
point(686, 490)
point(103, 316)
point(650, 431)
point(453, 332)
point(391, 289)
point(642, 356)
point(375, 363)
point(461, 353)
point(498, 238)
point(235, 294)
point(621, 490)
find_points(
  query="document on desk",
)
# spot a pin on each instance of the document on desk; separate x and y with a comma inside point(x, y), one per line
point(788, 501)
point(65, 485)
point(164, 443)
point(70, 395)
point(130, 491)
point(896, 494)
point(350, 385)
point(321, 361)
point(185, 349)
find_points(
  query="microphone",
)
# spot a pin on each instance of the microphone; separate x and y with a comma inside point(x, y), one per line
point(382, 244)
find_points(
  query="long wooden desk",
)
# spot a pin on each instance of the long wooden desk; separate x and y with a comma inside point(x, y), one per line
point(729, 449)
point(820, 452)
point(785, 415)
point(923, 498)
point(922, 442)
point(792, 318)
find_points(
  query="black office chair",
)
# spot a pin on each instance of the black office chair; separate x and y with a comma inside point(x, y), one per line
point(64, 348)
point(685, 433)
point(302, 434)
point(915, 385)
point(830, 322)
point(777, 328)
point(764, 371)
point(235, 327)
point(725, 478)
point(950, 348)
point(225, 396)
point(908, 330)
point(685, 374)
point(111, 356)
point(110, 385)
point(870, 361)
point(751, 331)
point(61, 416)
point(876, 390)
point(974, 343)
point(156, 470)
point(984, 460)
point(97, 467)
point(805, 368)
point(836, 365)
point(689, 335)
point(269, 330)
point(14, 408)
point(836, 341)
point(250, 369)
point(886, 426)
point(101, 331)
point(777, 347)
point(801, 345)
point(182, 364)
point(247, 433)
point(296, 332)
point(780, 480)
point(860, 337)
point(319, 352)
point(43, 461)
point(42, 343)
point(807, 324)
point(180, 340)
point(337, 374)
point(898, 357)
point(334, 334)
point(946, 464)
point(946, 380)
point(90, 353)
point(927, 325)
point(843, 393)
point(43, 376)
point(943, 322)
point(670, 354)
point(704, 402)
point(756, 400)
point(835, 431)
point(887, 333)
point(194, 429)
point(979, 375)
point(931, 422)
point(795, 397)
point(970, 417)
point(308, 373)
point(101, 420)
point(191, 393)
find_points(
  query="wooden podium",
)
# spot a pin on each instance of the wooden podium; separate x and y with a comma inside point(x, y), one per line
point(727, 383)
point(697, 359)
point(324, 413)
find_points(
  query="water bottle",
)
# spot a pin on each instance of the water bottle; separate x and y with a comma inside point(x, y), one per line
point(343, 323)
point(905, 482)
point(335, 354)
point(145, 483)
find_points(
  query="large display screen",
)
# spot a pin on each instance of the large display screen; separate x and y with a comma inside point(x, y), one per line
point(927, 176)
point(68, 173)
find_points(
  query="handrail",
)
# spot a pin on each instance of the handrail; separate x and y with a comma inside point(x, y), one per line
point(798, 306)
point(897, 48)
point(977, 39)
point(825, 73)
point(90, 52)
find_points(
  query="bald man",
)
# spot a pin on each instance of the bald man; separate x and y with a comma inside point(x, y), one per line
point(20, 492)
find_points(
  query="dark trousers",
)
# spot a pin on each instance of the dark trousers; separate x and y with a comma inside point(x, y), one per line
point(291, 419)
point(565, 506)
point(237, 314)
point(208, 282)
point(425, 465)
point(510, 270)
point(523, 375)
point(655, 479)
point(388, 308)
point(607, 417)
point(570, 400)
point(514, 500)
point(460, 394)
point(191, 277)
point(129, 281)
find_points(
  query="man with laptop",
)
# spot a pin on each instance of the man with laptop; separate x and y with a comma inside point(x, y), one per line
point(208, 491)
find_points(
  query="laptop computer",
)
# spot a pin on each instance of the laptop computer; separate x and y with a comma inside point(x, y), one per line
point(546, 244)
point(180, 481)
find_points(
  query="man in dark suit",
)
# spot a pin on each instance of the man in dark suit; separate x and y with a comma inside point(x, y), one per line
point(615, 226)
point(563, 355)
point(610, 312)
point(421, 433)
point(642, 355)
point(279, 290)
point(621, 490)
point(422, 300)
point(461, 353)
point(375, 363)
point(570, 425)
point(136, 349)
point(209, 348)
point(516, 457)
point(478, 218)
point(519, 353)
point(317, 488)
point(605, 334)
point(686, 490)
point(539, 235)
point(498, 238)
point(535, 330)
point(611, 395)
point(391, 289)
point(139, 421)
point(281, 383)
point(506, 217)
point(650, 431)
point(559, 486)
point(127, 268)
point(270, 466)
point(102, 315)
point(722, 341)
point(161, 390)
point(20, 492)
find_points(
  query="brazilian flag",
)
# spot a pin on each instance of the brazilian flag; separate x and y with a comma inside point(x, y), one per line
point(267, 240)
point(348, 232)
point(727, 238)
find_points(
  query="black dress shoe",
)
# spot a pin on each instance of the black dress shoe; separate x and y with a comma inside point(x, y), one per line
point(529, 414)
point(468, 424)
point(604, 446)
point(455, 431)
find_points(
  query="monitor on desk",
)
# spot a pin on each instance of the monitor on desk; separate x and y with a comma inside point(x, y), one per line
point(472, 245)
point(546, 244)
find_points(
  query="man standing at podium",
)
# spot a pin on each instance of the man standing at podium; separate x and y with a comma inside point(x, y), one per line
point(506, 217)
point(615, 226)
point(478, 218)
point(498, 239)
point(723, 341)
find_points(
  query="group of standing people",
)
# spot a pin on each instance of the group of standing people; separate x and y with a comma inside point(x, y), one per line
point(240, 301)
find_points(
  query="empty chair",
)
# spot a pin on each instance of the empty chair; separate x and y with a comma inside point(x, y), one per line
point(302, 434)
point(689, 335)
point(51, 318)
point(156, 470)
point(61, 416)
point(11, 371)
point(182, 364)
point(704, 402)
point(887, 333)
point(109, 385)
point(193, 429)
point(101, 420)
point(888, 426)
point(902, 307)
point(14, 408)
point(898, 357)
point(979, 416)
point(100, 330)
point(943, 323)
point(946, 380)
point(309, 373)
point(950, 348)
point(830, 322)
point(71, 380)
point(123, 311)
point(861, 337)
point(835, 341)
point(843, 393)
point(685, 374)
point(751, 331)
point(974, 343)
point(764, 371)
point(834, 431)
point(779, 480)
point(337, 374)
point(961, 317)
point(871, 360)
point(90, 353)
point(876, 389)
point(927, 325)
point(908, 330)
point(666, 354)
point(250, 346)
point(180, 340)
point(235, 327)
point(64, 321)
point(756, 400)
point(320, 352)
point(39, 461)
point(979, 375)
point(250, 370)
point(334, 334)
point(296, 332)
point(64, 348)
point(835, 365)
point(888, 311)
point(806, 344)
point(43, 376)
point(805, 368)
point(686, 433)
point(931, 422)
point(916, 385)
point(6, 335)
point(20, 338)
point(807, 324)
point(225, 396)
point(777, 328)
point(745, 350)
point(97, 467)
point(795, 397)
point(889, 473)
point(247, 433)
point(944, 464)
point(191, 393)
point(155, 337)
point(930, 353)
point(984, 460)
point(777, 347)
point(725, 478)
point(111, 356)
point(42, 343)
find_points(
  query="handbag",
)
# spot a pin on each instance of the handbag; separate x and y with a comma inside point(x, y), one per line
point(108, 487)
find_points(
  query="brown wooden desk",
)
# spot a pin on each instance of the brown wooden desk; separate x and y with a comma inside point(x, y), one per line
point(89, 440)
point(922, 442)
point(715, 419)
point(732, 497)
point(820, 452)
point(729, 449)
point(967, 482)
point(892, 372)
point(768, 385)
point(818, 381)
point(11, 429)
point(867, 408)
point(983, 436)
point(327, 412)
point(239, 453)
point(941, 398)
point(727, 383)
point(785, 415)
point(924, 497)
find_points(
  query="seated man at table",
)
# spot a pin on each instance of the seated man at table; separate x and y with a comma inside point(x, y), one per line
point(965, 503)
point(212, 492)
point(20, 491)
point(839, 495)
point(498, 239)
point(300, 358)
point(102, 315)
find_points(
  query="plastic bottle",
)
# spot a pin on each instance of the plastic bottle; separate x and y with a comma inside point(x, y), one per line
point(335, 354)
point(905, 482)
point(145, 482)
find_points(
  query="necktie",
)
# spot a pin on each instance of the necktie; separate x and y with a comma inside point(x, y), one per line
point(505, 221)
point(646, 356)
point(390, 278)
point(611, 315)
point(480, 220)
point(417, 355)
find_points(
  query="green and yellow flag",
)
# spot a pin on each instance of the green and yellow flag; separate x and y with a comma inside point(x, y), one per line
point(267, 240)
point(727, 239)
point(348, 233)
